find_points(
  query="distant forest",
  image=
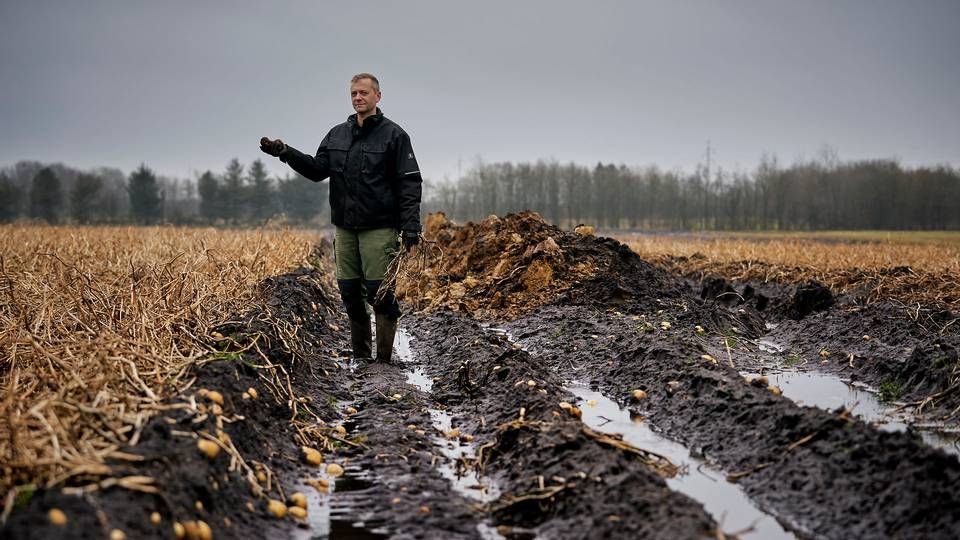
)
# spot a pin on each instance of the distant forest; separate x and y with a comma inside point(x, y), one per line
point(823, 194)
point(238, 196)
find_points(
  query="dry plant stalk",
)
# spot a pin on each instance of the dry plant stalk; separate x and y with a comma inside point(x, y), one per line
point(98, 326)
point(910, 273)
point(409, 269)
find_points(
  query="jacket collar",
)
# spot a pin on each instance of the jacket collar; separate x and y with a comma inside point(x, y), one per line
point(373, 119)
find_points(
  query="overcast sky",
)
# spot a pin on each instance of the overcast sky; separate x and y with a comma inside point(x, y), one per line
point(186, 85)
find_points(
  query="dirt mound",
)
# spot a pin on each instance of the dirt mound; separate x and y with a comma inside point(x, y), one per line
point(503, 267)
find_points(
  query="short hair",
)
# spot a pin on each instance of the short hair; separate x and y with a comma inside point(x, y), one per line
point(358, 76)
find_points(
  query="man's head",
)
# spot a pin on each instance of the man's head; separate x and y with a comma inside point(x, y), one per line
point(364, 93)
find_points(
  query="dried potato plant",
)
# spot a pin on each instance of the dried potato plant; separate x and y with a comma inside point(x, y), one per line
point(926, 273)
point(97, 326)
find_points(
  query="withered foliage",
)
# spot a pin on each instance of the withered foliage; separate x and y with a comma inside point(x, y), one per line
point(98, 326)
point(924, 274)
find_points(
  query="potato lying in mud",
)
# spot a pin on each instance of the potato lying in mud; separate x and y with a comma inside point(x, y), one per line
point(312, 456)
point(208, 448)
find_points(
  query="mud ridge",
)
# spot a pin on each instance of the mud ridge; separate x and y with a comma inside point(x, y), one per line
point(557, 480)
point(822, 471)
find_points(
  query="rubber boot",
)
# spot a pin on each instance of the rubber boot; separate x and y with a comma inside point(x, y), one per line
point(360, 338)
point(386, 330)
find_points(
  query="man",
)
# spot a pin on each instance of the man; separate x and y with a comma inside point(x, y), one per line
point(375, 190)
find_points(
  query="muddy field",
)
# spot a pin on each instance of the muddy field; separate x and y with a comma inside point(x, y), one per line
point(547, 384)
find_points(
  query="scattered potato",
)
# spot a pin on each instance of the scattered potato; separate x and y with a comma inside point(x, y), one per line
point(215, 397)
point(665, 325)
point(117, 534)
point(322, 485)
point(639, 395)
point(824, 353)
point(453, 433)
point(276, 508)
point(199, 530)
point(179, 531)
point(775, 390)
point(591, 403)
point(565, 406)
point(334, 470)
point(531, 383)
point(708, 358)
point(297, 512)
point(312, 455)
point(424, 509)
point(866, 337)
point(298, 499)
point(350, 410)
point(155, 518)
point(57, 517)
point(699, 329)
point(340, 430)
point(208, 448)
point(575, 412)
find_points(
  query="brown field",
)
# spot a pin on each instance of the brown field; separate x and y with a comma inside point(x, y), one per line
point(909, 269)
point(97, 325)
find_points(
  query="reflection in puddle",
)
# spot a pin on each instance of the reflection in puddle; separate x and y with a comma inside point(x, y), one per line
point(726, 502)
point(769, 346)
point(456, 451)
point(829, 392)
point(338, 517)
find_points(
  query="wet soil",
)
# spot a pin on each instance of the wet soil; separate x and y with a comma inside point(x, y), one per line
point(824, 473)
point(557, 480)
point(476, 433)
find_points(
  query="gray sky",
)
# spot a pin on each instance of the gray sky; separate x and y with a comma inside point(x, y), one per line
point(186, 85)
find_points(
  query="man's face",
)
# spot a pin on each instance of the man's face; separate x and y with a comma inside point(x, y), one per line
point(364, 96)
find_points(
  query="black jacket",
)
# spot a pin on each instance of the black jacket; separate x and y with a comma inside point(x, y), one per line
point(374, 177)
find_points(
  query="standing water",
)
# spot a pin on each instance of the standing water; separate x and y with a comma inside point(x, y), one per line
point(726, 502)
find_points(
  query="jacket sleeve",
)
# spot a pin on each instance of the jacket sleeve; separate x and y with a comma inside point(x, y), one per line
point(314, 168)
point(409, 184)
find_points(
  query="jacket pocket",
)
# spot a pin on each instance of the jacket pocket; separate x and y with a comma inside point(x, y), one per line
point(374, 159)
point(338, 156)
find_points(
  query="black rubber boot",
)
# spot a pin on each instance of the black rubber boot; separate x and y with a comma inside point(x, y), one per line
point(351, 292)
point(361, 339)
point(386, 330)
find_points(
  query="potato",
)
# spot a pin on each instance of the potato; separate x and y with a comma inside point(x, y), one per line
point(209, 448)
point(57, 517)
point(312, 455)
point(276, 508)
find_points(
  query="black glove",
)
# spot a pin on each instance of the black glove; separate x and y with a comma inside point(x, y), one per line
point(410, 239)
point(274, 148)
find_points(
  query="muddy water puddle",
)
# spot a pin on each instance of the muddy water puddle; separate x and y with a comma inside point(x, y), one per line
point(726, 502)
point(829, 392)
point(457, 452)
point(338, 514)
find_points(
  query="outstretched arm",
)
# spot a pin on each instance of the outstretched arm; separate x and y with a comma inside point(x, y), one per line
point(315, 168)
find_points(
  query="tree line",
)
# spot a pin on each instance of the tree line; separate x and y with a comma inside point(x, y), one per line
point(816, 194)
point(238, 196)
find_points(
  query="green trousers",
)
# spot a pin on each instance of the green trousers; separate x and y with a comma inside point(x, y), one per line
point(362, 259)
